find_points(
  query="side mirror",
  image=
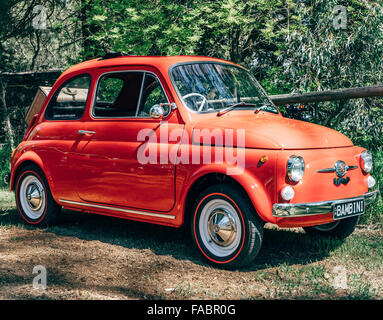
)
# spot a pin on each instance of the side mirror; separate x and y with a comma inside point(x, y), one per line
point(156, 111)
point(159, 111)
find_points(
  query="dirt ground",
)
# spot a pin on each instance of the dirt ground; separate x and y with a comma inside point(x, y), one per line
point(94, 257)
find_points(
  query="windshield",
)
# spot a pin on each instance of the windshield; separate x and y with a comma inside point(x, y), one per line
point(206, 87)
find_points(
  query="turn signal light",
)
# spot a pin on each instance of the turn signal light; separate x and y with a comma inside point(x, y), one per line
point(370, 181)
point(287, 193)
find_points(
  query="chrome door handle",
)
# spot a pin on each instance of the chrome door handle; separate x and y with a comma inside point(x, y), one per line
point(82, 132)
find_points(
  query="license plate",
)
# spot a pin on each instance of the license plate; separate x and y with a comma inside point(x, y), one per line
point(348, 209)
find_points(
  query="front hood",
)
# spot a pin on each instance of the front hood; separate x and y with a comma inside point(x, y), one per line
point(268, 131)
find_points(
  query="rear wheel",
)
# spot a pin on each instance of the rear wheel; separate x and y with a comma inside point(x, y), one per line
point(34, 199)
point(340, 229)
point(225, 227)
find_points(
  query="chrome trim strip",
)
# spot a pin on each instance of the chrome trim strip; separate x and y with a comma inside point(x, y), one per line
point(326, 170)
point(140, 96)
point(142, 213)
point(287, 210)
point(83, 132)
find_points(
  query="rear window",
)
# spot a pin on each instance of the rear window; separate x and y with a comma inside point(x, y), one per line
point(69, 101)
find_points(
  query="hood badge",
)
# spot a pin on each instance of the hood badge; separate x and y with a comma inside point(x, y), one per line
point(340, 168)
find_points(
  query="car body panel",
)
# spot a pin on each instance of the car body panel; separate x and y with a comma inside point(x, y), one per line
point(270, 131)
point(100, 173)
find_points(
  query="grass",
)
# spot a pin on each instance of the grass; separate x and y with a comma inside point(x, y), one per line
point(94, 257)
point(7, 200)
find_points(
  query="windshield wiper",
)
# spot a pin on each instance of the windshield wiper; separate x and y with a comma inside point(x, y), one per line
point(234, 106)
point(266, 108)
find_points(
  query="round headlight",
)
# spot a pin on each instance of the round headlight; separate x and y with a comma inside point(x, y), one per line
point(366, 161)
point(295, 168)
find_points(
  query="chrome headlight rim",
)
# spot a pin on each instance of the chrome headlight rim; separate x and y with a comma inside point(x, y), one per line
point(295, 168)
point(366, 161)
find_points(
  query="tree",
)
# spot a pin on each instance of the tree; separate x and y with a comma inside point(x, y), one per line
point(319, 55)
point(39, 34)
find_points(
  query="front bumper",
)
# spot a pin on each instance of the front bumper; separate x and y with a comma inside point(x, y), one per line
point(287, 210)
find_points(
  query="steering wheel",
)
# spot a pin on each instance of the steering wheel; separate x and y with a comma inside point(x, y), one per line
point(204, 100)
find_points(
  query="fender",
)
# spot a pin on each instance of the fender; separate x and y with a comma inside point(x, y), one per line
point(252, 186)
point(35, 158)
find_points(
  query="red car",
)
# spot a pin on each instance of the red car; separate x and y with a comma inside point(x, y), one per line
point(186, 140)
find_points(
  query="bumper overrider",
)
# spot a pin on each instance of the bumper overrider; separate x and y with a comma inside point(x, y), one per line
point(286, 210)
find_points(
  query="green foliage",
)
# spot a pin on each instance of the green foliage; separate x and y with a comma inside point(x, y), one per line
point(227, 29)
point(377, 170)
point(374, 214)
point(138, 27)
point(5, 154)
point(109, 89)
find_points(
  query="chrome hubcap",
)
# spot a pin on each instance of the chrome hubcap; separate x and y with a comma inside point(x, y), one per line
point(34, 197)
point(221, 227)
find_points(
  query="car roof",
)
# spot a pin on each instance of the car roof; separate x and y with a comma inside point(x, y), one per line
point(160, 62)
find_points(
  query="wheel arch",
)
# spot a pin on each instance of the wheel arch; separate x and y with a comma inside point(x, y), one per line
point(29, 158)
point(247, 183)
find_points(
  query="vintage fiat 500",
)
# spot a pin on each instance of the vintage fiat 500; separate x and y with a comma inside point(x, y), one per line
point(186, 140)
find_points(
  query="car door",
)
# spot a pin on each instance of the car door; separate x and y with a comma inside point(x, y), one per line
point(110, 170)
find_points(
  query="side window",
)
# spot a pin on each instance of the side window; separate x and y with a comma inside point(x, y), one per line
point(69, 101)
point(118, 94)
point(127, 94)
point(152, 94)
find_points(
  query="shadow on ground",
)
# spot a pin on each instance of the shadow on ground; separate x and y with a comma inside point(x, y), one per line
point(279, 246)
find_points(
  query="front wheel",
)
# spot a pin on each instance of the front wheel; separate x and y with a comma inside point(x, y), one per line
point(225, 227)
point(340, 229)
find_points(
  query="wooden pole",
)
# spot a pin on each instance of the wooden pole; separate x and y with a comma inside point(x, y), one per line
point(329, 95)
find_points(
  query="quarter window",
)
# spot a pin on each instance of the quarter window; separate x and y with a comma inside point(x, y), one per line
point(69, 101)
point(152, 94)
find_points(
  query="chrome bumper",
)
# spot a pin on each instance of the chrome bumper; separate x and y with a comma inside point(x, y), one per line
point(287, 210)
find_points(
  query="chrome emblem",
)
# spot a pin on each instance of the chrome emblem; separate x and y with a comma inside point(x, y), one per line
point(340, 168)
